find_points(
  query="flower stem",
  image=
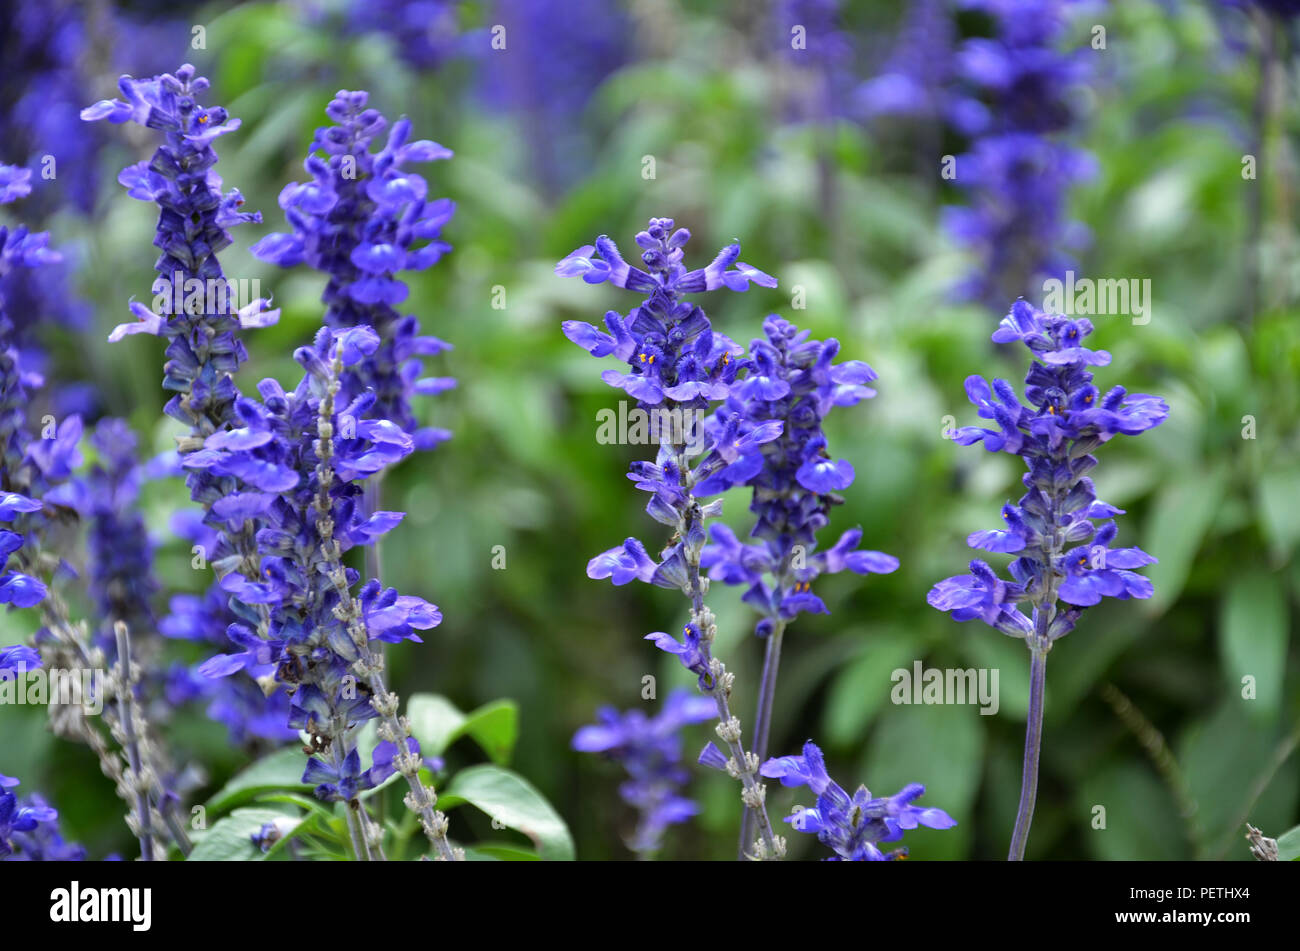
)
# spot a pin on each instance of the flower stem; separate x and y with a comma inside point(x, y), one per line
point(1033, 743)
point(138, 781)
point(763, 717)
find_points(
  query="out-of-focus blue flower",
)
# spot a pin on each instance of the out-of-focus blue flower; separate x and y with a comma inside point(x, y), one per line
point(650, 749)
point(29, 829)
point(14, 659)
point(119, 548)
point(363, 219)
point(852, 826)
point(543, 68)
point(912, 81)
point(425, 32)
point(1063, 419)
point(822, 55)
point(791, 385)
point(31, 468)
point(1013, 98)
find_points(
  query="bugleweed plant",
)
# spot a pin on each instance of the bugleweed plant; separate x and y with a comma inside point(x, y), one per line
point(1062, 534)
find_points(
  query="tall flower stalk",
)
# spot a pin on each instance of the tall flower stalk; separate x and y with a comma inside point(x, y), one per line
point(793, 381)
point(362, 220)
point(680, 369)
point(1061, 533)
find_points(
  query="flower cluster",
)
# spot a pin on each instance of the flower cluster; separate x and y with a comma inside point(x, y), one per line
point(363, 219)
point(792, 381)
point(678, 366)
point(120, 552)
point(424, 32)
point(248, 712)
point(1014, 102)
point(851, 826)
point(681, 369)
point(310, 505)
point(204, 348)
point(650, 749)
point(29, 830)
point(1065, 419)
point(542, 64)
point(29, 467)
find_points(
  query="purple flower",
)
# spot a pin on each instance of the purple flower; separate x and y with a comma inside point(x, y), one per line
point(852, 826)
point(28, 829)
point(13, 659)
point(1012, 95)
point(363, 219)
point(650, 749)
point(791, 385)
point(1062, 419)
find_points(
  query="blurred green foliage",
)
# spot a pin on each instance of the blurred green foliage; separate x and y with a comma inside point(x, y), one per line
point(524, 470)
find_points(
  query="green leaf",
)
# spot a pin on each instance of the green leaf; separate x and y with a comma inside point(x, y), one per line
point(434, 722)
point(1253, 640)
point(1288, 845)
point(503, 853)
point(495, 727)
point(1183, 512)
point(281, 770)
point(230, 840)
point(511, 800)
point(1279, 516)
point(862, 686)
point(1141, 817)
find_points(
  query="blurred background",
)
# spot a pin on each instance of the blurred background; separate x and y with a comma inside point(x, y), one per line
point(905, 170)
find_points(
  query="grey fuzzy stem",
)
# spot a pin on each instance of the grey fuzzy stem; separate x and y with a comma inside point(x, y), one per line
point(72, 651)
point(173, 822)
point(763, 717)
point(126, 714)
point(368, 667)
point(753, 793)
point(1033, 743)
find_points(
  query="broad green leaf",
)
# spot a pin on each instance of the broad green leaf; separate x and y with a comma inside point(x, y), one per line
point(437, 724)
point(511, 800)
point(862, 686)
point(1288, 845)
point(504, 853)
point(281, 770)
point(1253, 641)
point(1183, 512)
point(434, 722)
point(1141, 816)
point(230, 840)
point(1279, 516)
point(495, 727)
